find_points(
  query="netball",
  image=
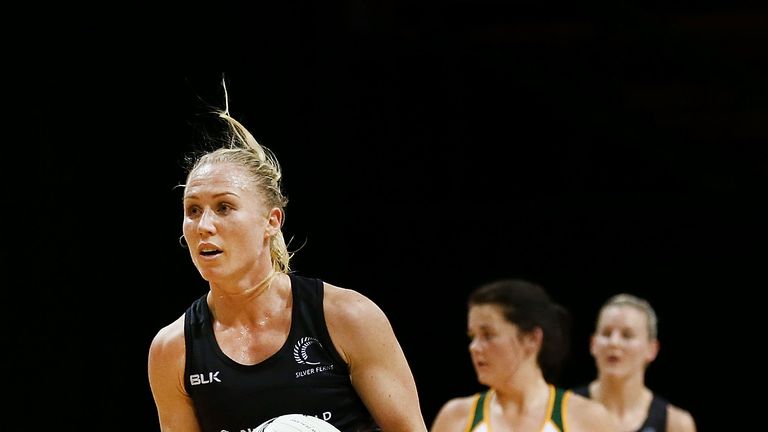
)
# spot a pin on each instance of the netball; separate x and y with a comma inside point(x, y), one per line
point(296, 423)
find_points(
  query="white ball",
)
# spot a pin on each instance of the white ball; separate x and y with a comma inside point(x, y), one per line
point(296, 423)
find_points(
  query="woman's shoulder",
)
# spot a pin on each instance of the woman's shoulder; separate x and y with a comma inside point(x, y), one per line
point(585, 414)
point(460, 405)
point(454, 413)
point(347, 302)
point(679, 419)
point(350, 315)
point(169, 340)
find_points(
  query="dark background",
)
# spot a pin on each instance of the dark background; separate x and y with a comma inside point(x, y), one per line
point(426, 148)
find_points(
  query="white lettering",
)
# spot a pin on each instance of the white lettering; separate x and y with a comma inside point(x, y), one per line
point(314, 370)
point(197, 379)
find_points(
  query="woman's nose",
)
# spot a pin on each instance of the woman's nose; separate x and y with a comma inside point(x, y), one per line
point(614, 338)
point(206, 222)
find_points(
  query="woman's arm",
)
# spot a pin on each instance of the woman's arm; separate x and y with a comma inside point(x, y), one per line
point(378, 368)
point(166, 379)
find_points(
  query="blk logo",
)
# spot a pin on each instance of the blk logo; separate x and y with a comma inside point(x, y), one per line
point(197, 379)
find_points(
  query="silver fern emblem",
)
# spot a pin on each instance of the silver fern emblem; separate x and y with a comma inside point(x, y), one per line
point(300, 350)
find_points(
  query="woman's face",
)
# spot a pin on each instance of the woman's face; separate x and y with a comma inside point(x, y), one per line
point(226, 224)
point(496, 346)
point(621, 344)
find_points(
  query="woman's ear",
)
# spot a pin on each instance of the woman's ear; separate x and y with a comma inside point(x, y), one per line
point(535, 339)
point(653, 351)
point(274, 221)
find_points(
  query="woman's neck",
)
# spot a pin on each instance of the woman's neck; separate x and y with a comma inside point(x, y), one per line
point(621, 394)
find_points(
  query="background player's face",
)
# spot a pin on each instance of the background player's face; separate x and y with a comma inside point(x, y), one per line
point(621, 344)
point(497, 346)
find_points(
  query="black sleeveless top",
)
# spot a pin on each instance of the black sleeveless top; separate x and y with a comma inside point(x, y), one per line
point(305, 376)
point(656, 421)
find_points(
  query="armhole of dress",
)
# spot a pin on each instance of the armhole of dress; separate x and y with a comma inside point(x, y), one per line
point(560, 408)
point(658, 412)
point(477, 412)
point(187, 346)
point(193, 329)
point(321, 325)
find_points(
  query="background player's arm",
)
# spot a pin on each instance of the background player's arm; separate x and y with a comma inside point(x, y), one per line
point(453, 415)
point(586, 415)
point(679, 420)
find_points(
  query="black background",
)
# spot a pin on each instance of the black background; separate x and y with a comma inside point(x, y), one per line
point(427, 148)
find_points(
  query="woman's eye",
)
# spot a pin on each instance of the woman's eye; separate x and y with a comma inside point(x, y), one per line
point(193, 211)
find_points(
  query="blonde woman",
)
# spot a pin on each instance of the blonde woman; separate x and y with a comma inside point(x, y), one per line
point(263, 341)
point(623, 345)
